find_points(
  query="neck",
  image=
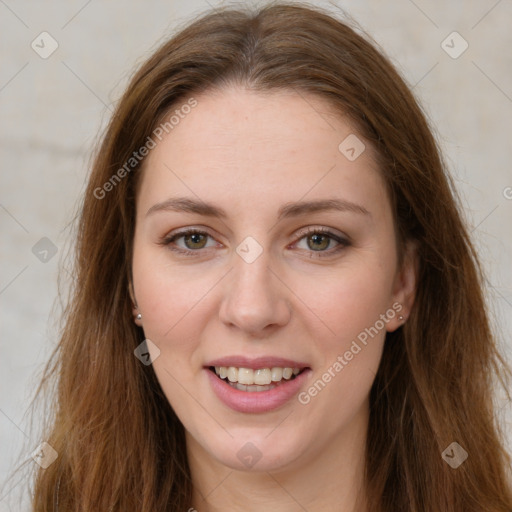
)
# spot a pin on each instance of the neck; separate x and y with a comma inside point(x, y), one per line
point(330, 477)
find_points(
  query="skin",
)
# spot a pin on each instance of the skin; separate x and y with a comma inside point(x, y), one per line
point(250, 153)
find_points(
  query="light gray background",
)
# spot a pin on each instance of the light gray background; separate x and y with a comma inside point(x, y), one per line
point(51, 111)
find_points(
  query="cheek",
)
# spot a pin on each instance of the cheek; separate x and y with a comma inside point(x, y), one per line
point(170, 303)
point(171, 311)
point(166, 297)
point(349, 358)
point(348, 301)
point(349, 307)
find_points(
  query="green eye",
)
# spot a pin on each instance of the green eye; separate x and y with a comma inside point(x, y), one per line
point(318, 242)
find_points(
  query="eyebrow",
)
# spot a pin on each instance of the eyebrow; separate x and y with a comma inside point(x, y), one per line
point(189, 205)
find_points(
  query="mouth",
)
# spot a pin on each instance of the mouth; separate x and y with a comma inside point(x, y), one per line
point(258, 384)
point(256, 379)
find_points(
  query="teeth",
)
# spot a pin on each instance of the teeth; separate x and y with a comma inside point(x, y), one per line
point(232, 374)
point(277, 374)
point(262, 377)
point(250, 389)
point(287, 373)
point(245, 376)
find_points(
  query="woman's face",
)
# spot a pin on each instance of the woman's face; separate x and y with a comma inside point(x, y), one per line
point(294, 266)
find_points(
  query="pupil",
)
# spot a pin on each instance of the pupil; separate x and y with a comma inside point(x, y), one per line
point(316, 239)
point(195, 238)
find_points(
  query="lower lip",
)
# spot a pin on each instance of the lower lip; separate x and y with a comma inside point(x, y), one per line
point(256, 401)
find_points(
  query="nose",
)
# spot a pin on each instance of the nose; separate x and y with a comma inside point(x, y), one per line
point(255, 299)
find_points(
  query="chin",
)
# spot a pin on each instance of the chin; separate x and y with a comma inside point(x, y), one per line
point(256, 450)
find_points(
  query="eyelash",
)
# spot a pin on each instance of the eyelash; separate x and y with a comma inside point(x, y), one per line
point(343, 243)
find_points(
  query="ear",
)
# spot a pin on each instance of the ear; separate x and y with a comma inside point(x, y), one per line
point(135, 308)
point(404, 286)
point(132, 293)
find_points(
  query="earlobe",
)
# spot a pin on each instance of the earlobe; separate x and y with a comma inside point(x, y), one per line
point(137, 316)
point(404, 289)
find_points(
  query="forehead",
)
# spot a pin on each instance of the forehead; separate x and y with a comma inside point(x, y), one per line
point(236, 118)
point(266, 147)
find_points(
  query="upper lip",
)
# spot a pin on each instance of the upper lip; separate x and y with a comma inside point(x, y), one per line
point(257, 362)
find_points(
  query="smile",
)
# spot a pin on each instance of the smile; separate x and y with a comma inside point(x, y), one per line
point(255, 380)
point(258, 385)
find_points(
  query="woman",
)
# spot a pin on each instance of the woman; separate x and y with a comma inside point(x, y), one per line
point(277, 304)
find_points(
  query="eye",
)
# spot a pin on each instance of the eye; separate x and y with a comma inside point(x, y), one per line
point(194, 240)
point(318, 240)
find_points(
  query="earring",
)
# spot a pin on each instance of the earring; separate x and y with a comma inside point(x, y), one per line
point(139, 317)
point(400, 318)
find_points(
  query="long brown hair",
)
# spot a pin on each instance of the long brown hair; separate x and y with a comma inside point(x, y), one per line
point(120, 446)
